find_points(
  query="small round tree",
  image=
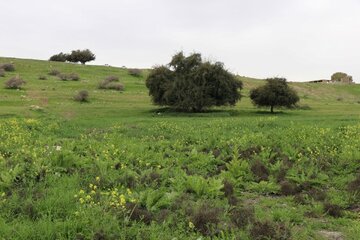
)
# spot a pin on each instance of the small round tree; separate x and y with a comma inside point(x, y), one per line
point(82, 56)
point(191, 84)
point(275, 93)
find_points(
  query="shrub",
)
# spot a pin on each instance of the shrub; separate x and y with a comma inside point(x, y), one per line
point(190, 84)
point(333, 210)
point(8, 67)
point(115, 86)
point(288, 188)
point(73, 77)
point(82, 56)
point(275, 93)
point(42, 77)
point(14, 83)
point(69, 76)
point(111, 82)
point(82, 96)
point(205, 218)
point(54, 72)
point(242, 216)
point(135, 72)
point(2, 72)
point(269, 230)
point(260, 171)
point(61, 57)
point(111, 79)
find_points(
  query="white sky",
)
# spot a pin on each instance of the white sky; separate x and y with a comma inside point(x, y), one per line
point(297, 39)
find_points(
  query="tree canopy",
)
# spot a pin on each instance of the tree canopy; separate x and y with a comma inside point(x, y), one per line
point(191, 84)
point(275, 93)
point(82, 56)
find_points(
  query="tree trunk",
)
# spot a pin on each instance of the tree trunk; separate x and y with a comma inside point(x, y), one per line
point(272, 109)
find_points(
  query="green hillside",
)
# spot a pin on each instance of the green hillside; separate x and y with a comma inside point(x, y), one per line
point(55, 96)
point(118, 167)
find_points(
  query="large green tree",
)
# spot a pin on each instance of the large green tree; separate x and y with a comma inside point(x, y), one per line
point(191, 84)
point(82, 56)
point(275, 93)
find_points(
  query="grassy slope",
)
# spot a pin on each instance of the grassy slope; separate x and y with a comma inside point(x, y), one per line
point(177, 134)
point(56, 96)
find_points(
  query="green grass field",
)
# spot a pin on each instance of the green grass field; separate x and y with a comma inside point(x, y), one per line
point(119, 167)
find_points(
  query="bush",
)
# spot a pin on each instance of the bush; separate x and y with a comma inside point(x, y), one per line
point(14, 83)
point(8, 67)
point(111, 82)
point(242, 216)
point(2, 72)
point(135, 72)
point(333, 210)
point(82, 56)
point(269, 230)
point(61, 57)
point(82, 96)
point(69, 77)
point(190, 84)
point(275, 93)
point(54, 72)
point(205, 218)
point(42, 77)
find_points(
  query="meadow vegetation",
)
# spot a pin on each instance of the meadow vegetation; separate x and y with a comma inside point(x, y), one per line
point(119, 167)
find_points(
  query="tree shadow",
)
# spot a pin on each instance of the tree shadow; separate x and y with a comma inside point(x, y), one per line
point(170, 112)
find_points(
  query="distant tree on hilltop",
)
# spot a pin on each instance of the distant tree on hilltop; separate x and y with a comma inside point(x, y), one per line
point(61, 57)
point(75, 56)
point(82, 56)
point(275, 93)
point(341, 77)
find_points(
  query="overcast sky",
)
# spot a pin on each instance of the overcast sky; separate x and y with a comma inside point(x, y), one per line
point(297, 39)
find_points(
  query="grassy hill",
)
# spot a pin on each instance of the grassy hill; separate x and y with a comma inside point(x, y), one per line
point(55, 96)
point(119, 167)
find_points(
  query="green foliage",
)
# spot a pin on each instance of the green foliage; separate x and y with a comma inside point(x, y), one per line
point(275, 93)
point(61, 57)
point(82, 56)
point(116, 169)
point(339, 76)
point(190, 84)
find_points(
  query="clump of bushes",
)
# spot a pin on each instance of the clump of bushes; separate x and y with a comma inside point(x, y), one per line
point(135, 72)
point(111, 82)
point(82, 96)
point(14, 83)
point(54, 72)
point(2, 72)
point(69, 77)
point(8, 67)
